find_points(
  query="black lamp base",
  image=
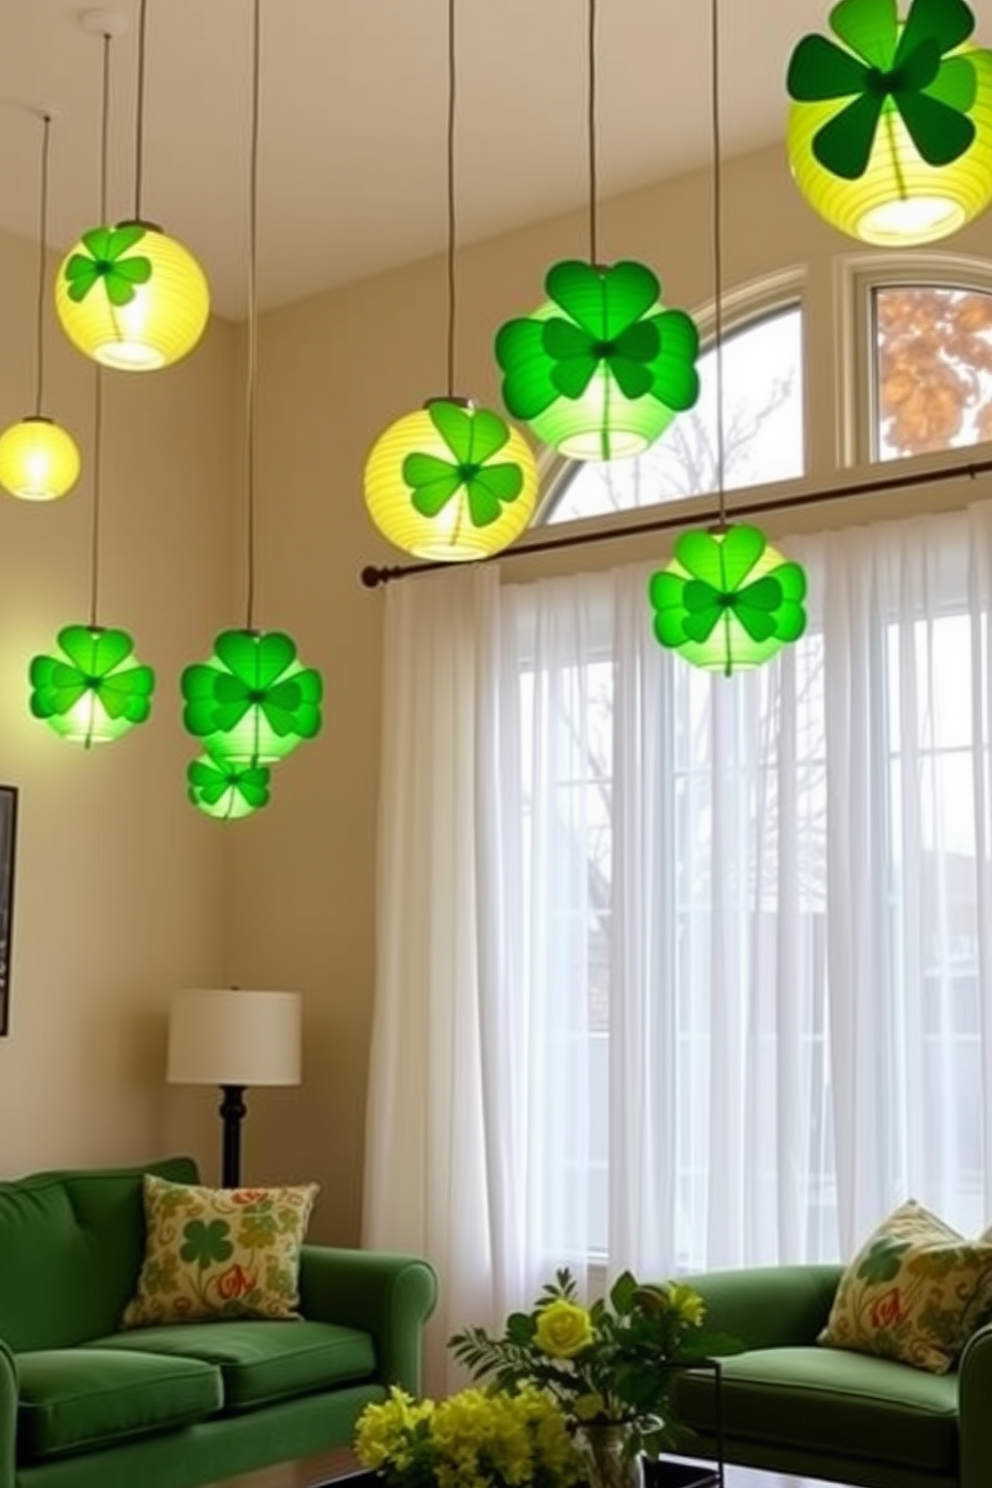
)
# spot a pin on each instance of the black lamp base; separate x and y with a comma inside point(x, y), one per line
point(232, 1112)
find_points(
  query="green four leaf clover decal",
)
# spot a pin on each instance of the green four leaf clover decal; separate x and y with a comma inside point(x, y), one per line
point(206, 1242)
point(474, 436)
point(105, 262)
point(251, 670)
point(96, 663)
point(724, 601)
point(885, 66)
point(608, 320)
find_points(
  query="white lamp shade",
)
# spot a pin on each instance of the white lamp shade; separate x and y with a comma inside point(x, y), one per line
point(227, 1036)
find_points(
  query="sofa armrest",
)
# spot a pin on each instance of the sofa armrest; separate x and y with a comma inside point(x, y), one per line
point(391, 1296)
point(768, 1306)
point(974, 1397)
point(9, 1393)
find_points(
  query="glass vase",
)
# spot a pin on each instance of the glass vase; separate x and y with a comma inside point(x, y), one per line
point(610, 1459)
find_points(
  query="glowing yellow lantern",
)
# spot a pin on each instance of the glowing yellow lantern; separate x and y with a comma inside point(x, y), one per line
point(132, 298)
point(39, 461)
point(451, 482)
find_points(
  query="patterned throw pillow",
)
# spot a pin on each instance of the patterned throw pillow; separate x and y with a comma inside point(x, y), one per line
point(219, 1253)
point(915, 1291)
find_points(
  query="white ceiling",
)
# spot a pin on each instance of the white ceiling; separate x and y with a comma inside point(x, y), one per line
point(352, 165)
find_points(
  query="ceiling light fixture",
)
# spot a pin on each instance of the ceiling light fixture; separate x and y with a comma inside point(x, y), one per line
point(39, 461)
point(727, 600)
point(453, 481)
point(890, 133)
point(253, 702)
point(128, 295)
point(602, 367)
point(95, 690)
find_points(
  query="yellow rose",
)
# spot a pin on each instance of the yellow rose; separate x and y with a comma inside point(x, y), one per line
point(588, 1407)
point(563, 1329)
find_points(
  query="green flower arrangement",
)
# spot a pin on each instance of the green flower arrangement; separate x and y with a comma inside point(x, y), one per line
point(602, 1365)
point(474, 1439)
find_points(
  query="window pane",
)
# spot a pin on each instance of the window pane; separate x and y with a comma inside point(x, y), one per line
point(762, 436)
point(933, 369)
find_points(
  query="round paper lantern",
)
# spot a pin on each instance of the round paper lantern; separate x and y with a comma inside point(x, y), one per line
point(96, 691)
point(600, 370)
point(451, 482)
point(727, 601)
point(132, 298)
point(253, 702)
point(227, 791)
point(39, 461)
point(890, 133)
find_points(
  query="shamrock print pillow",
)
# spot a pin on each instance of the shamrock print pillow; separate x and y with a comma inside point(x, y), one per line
point(219, 1253)
point(915, 1291)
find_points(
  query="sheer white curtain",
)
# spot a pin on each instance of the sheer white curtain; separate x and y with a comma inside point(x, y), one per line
point(679, 971)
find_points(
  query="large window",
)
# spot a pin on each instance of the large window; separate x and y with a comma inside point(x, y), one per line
point(763, 433)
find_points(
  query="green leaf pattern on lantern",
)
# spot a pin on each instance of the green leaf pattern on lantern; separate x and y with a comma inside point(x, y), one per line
point(886, 65)
point(211, 779)
point(473, 436)
point(252, 672)
point(609, 321)
point(105, 263)
point(96, 664)
point(713, 586)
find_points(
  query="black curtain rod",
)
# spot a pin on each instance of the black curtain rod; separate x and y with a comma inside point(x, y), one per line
point(372, 576)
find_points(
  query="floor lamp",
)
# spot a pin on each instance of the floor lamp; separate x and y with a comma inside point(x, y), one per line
point(234, 1038)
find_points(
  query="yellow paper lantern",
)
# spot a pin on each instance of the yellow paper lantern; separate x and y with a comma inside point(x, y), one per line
point(131, 297)
point(452, 482)
point(39, 461)
point(899, 200)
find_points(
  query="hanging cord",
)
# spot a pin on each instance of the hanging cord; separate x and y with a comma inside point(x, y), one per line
point(591, 127)
point(252, 327)
point(139, 128)
point(98, 370)
point(42, 274)
point(452, 305)
point(718, 261)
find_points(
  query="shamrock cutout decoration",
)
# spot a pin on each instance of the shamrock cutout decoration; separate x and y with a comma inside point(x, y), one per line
point(105, 262)
point(610, 320)
point(96, 664)
point(883, 66)
point(730, 594)
point(229, 791)
point(251, 671)
point(474, 436)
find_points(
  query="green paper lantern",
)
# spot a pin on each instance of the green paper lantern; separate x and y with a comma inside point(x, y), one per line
point(890, 132)
point(451, 481)
point(96, 692)
point(253, 702)
point(601, 369)
point(226, 791)
point(727, 601)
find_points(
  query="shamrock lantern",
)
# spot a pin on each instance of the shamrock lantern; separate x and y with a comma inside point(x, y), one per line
point(452, 481)
point(727, 600)
point(600, 369)
point(96, 691)
point(890, 131)
point(227, 791)
point(131, 297)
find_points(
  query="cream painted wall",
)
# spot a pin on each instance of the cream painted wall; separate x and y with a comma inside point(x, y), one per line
point(336, 370)
point(120, 887)
point(123, 890)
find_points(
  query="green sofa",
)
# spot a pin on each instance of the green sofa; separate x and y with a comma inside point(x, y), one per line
point(83, 1405)
point(790, 1405)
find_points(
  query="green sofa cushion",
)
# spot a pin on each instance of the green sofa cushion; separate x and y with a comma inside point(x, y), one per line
point(72, 1399)
point(72, 1247)
point(848, 1404)
point(262, 1361)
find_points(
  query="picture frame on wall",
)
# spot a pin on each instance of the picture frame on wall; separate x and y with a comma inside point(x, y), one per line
point(8, 847)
